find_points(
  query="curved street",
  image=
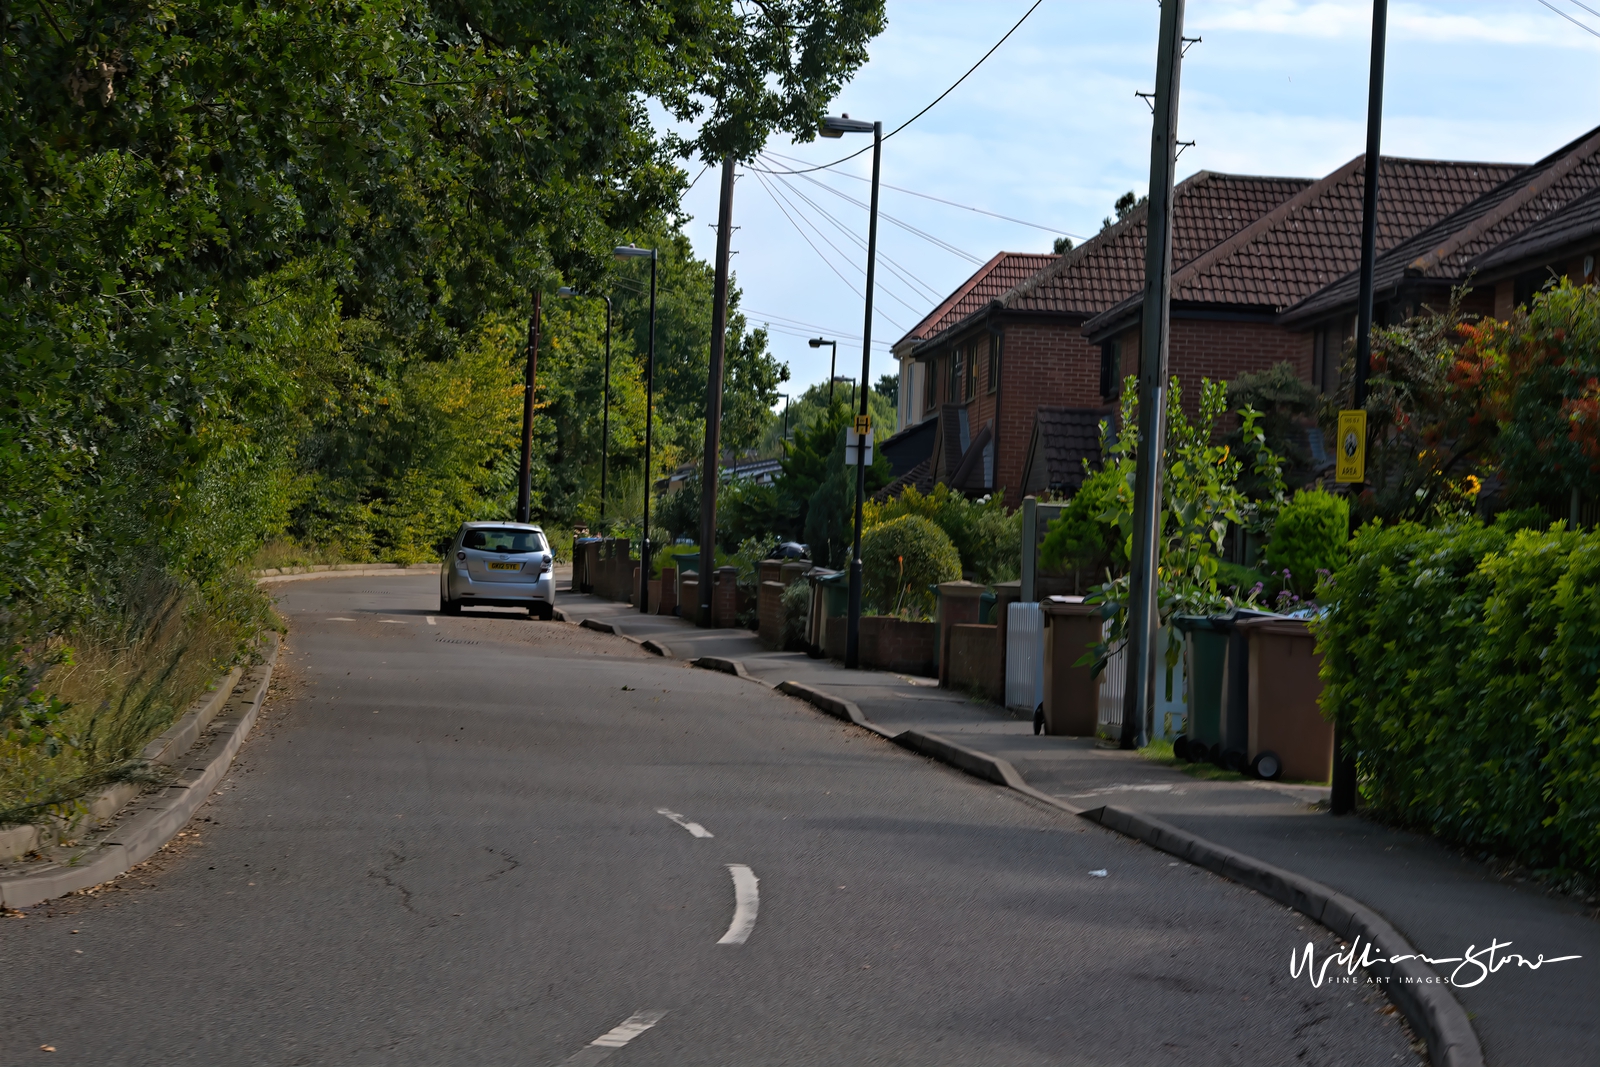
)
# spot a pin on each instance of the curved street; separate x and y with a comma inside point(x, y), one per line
point(490, 840)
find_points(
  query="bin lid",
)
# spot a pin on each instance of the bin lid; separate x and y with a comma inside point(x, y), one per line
point(1068, 605)
point(1226, 622)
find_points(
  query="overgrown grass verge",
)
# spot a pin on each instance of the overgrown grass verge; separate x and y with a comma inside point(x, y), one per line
point(82, 704)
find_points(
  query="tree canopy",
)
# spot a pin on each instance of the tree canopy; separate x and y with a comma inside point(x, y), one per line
point(267, 266)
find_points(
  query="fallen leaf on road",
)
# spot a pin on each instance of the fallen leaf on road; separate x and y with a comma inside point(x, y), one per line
point(47, 1048)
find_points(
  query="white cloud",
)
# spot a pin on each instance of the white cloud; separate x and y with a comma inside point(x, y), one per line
point(1525, 23)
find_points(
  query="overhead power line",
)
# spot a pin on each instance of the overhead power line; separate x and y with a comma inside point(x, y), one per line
point(921, 288)
point(779, 202)
point(1581, 25)
point(930, 238)
point(837, 335)
point(936, 99)
point(941, 200)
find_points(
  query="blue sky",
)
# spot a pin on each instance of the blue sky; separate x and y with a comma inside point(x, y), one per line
point(1049, 131)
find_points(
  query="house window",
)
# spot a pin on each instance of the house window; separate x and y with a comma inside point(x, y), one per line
point(953, 387)
point(930, 385)
point(994, 362)
point(972, 374)
point(1108, 369)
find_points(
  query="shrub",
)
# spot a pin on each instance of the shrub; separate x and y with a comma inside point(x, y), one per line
point(1310, 538)
point(900, 559)
point(987, 537)
point(796, 603)
point(1462, 662)
point(1082, 537)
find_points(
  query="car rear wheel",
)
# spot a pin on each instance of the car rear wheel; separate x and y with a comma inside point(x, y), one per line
point(542, 612)
point(449, 607)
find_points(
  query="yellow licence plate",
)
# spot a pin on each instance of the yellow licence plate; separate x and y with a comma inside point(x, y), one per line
point(505, 566)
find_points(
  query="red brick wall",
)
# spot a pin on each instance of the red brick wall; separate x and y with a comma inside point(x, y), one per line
point(1042, 363)
point(667, 599)
point(770, 611)
point(1051, 364)
point(890, 644)
point(1220, 351)
point(725, 598)
point(974, 664)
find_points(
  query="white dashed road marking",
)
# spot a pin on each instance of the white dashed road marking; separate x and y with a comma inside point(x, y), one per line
point(339, 618)
point(615, 1038)
point(693, 827)
point(431, 622)
point(745, 902)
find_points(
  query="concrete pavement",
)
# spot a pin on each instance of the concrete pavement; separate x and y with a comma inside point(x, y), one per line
point(445, 843)
point(1444, 903)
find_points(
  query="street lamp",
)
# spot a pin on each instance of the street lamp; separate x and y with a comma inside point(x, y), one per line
point(818, 342)
point(635, 252)
point(605, 420)
point(837, 127)
point(852, 381)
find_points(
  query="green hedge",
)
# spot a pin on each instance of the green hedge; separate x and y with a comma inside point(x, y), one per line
point(1464, 663)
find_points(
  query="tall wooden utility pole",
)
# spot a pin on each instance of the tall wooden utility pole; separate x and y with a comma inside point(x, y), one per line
point(530, 378)
point(1143, 618)
point(711, 469)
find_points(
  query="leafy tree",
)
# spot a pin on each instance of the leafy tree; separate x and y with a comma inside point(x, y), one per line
point(888, 387)
point(1424, 437)
point(1083, 538)
point(812, 405)
point(1531, 387)
point(266, 267)
point(1288, 406)
point(1200, 498)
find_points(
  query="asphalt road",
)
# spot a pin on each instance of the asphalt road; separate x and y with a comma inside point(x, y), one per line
point(443, 846)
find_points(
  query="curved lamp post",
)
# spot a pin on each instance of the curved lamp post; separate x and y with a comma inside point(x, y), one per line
point(837, 127)
point(833, 359)
point(635, 252)
point(605, 419)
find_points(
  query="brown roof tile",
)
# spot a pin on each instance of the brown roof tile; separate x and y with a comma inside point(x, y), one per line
point(1578, 221)
point(1064, 438)
point(1444, 250)
point(1314, 237)
point(994, 278)
point(1109, 267)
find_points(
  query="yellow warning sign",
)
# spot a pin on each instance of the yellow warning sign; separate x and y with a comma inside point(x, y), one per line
point(1350, 465)
point(863, 424)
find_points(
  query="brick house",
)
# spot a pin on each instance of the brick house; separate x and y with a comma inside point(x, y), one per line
point(1228, 302)
point(989, 357)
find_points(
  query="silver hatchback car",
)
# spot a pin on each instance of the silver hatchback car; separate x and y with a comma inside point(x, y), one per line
point(498, 564)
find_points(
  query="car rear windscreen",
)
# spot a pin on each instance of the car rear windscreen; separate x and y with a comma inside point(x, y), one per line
point(504, 540)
